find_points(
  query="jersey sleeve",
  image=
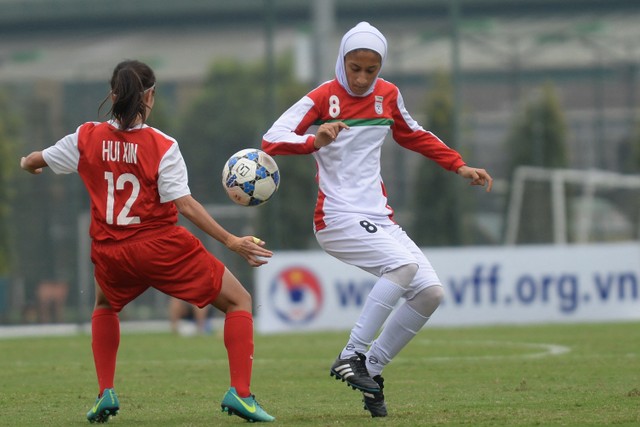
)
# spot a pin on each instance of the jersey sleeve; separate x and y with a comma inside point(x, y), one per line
point(287, 135)
point(172, 175)
point(409, 134)
point(63, 157)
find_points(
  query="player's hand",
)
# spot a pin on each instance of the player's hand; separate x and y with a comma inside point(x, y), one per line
point(477, 176)
point(252, 249)
point(327, 133)
point(25, 166)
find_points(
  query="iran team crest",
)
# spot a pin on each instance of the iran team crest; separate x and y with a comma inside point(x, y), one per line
point(378, 105)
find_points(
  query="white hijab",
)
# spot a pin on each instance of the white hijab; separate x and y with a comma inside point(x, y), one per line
point(362, 36)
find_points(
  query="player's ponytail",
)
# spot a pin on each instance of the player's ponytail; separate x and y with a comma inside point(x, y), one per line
point(129, 82)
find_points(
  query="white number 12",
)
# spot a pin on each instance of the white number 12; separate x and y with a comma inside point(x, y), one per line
point(123, 216)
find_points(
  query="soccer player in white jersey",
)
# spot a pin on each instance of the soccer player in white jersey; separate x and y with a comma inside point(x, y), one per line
point(137, 182)
point(352, 221)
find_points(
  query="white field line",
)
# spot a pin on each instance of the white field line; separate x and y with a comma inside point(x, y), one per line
point(537, 350)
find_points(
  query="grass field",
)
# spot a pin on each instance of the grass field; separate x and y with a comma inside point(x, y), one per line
point(556, 375)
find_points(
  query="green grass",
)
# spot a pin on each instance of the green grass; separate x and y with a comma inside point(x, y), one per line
point(485, 376)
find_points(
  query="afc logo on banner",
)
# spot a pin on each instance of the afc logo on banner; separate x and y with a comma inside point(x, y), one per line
point(296, 295)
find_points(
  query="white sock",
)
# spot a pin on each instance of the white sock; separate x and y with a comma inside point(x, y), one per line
point(381, 300)
point(401, 328)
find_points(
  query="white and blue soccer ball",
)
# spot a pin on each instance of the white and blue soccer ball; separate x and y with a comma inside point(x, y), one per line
point(250, 177)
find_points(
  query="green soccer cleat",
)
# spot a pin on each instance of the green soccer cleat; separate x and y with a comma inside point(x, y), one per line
point(244, 407)
point(105, 406)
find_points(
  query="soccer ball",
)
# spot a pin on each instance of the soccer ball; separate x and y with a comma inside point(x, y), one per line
point(250, 177)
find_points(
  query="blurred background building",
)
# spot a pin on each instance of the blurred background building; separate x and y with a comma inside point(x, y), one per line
point(538, 83)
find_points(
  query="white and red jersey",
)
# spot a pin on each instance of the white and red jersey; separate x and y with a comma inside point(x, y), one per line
point(349, 179)
point(131, 176)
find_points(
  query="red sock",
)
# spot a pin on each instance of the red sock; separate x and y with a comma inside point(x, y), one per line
point(105, 339)
point(238, 339)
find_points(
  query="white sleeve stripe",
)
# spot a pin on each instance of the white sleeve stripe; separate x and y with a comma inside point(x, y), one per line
point(413, 125)
point(63, 157)
point(172, 175)
point(283, 129)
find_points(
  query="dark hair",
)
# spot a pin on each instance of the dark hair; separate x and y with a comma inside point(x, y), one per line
point(129, 82)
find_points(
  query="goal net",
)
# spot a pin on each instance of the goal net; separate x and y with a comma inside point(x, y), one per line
point(572, 206)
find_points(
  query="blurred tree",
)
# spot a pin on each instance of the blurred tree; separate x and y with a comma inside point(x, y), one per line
point(436, 205)
point(31, 222)
point(229, 114)
point(290, 212)
point(160, 117)
point(538, 137)
point(8, 165)
point(225, 117)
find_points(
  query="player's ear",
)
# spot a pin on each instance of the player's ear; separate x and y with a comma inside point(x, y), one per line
point(149, 99)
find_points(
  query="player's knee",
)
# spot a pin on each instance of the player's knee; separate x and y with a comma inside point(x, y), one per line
point(248, 304)
point(402, 275)
point(243, 303)
point(435, 293)
point(101, 302)
point(427, 300)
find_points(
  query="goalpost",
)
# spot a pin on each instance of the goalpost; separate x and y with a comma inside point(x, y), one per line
point(593, 187)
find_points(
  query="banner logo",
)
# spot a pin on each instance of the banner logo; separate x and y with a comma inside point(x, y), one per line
point(296, 295)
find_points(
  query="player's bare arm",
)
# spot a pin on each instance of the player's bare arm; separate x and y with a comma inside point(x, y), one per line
point(477, 176)
point(327, 133)
point(247, 247)
point(33, 163)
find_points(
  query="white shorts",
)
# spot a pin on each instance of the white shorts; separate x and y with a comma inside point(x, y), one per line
point(376, 248)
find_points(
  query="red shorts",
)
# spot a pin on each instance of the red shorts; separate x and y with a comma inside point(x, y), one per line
point(172, 260)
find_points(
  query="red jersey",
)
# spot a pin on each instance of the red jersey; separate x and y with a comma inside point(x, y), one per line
point(132, 176)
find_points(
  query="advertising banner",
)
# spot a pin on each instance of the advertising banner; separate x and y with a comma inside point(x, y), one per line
point(303, 291)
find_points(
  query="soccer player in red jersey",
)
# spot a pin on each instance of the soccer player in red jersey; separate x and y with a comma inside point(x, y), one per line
point(137, 183)
point(353, 221)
